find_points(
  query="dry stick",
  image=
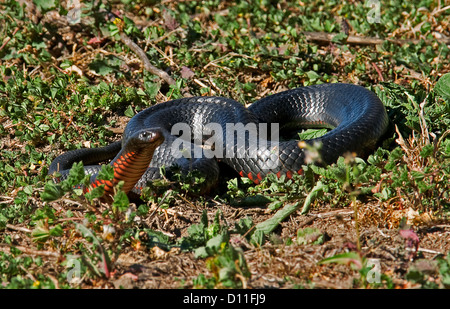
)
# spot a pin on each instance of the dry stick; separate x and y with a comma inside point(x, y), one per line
point(18, 228)
point(341, 212)
point(9, 38)
point(147, 65)
point(353, 39)
point(7, 248)
point(438, 11)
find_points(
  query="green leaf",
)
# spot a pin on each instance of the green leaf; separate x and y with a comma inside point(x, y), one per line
point(310, 235)
point(312, 133)
point(56, 231)
point(243, 225)
point(158, 238)
point(106, 173)
point(339, 38)
point(96, 192)
point(129, 111)
point(40, 233)
point(215, 228)
point(76, 176)
point(201, 252)
point(45, 5)
point(350, 258)
point(216, 242)
point(101, 67)
point(204, 218)
point(442, 86)
point(270, 224)
point(121, 202)
point(197, 234)
point(315, 192)
point(152, 89)
point(252, 200)
point(313, 76)
point(275, 205)
point(52, 192)
point(212, 246)
point(257, 238)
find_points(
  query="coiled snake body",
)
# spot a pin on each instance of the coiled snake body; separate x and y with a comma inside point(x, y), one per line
point(356, 115)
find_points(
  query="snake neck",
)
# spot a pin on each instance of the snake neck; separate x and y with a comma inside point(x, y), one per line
point(128, 167)
point(132, 161)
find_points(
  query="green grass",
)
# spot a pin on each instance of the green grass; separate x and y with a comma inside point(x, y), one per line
point(242, 51)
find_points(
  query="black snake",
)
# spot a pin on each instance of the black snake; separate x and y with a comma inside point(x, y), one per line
point(238, 136)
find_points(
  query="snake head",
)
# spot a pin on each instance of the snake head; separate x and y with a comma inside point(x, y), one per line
point(145, 139)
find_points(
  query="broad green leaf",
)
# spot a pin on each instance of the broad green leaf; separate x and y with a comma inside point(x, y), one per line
point(52, 192)
point(56, 231)
point(101, 67)
point(340, 38)
point(243, 225)
point(312, 133)
point(152, 89)
point(349, 258)
point(212, 246)
point(121, 201)
point(40, 233)
point(315, 192)
point(129, 111)
point(45, 5)
point(106, 173)
point(257, 238)
point(442, 86)
point(312, 75)
point(270, 224)
point(96, 192)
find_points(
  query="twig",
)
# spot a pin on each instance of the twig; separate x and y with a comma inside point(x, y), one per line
point(340, 212)
point(187, 201)
point(160, 203)
point(18, 228)
point(162, 38)
point(201, 84)
point(147, 65)
point(353, 39)
point(144, 59)
point(307, 221)
point(9, 38)
point(425, 250)
point(230, 54)
point(438, 11)
point(163, 54)
point(7, 248)
point(380, 74)
point(382, 234)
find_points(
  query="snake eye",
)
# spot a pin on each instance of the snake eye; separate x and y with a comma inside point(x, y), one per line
point(146, 135)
